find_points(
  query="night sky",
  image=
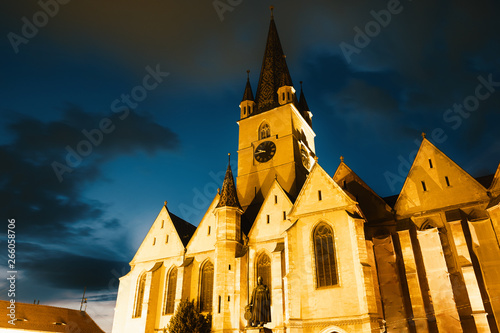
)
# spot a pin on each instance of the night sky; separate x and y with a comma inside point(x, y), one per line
point(109, 108)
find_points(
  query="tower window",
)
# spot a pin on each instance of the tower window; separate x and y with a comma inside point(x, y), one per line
point(162, 223)
point(283, 96)
point(209, 229)
point(268, 219)
point(447, 181)
point(229, 267)
point(244, 110)
point(166, 240)
point(264, 131)
point(218, 310)
point(430, 163)
point(319, 196)
point(154, 241)
point(284, 215)
point(275, 199)
point(288, 95)
point(423, 186)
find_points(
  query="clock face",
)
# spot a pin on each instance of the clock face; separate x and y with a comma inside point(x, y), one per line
point(265, 151)
point(305, 158)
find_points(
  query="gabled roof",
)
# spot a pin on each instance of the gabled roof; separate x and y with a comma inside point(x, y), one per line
point(274, 70)
point(332, 195)
point(374, 208)
point(201, 239)
point(44, 318)
point(166, 226)
point(274, 207)
point(434, 181)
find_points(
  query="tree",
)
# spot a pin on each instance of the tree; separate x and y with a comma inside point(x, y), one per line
point(188, 319)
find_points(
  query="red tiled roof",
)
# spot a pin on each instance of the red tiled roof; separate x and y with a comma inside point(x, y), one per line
point(46, 318)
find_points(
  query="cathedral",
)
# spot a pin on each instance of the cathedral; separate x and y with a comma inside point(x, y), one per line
point(335, 256)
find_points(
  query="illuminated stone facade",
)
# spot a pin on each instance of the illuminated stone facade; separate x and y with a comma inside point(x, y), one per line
point(335, 256)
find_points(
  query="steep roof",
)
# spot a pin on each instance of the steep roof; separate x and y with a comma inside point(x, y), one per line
point(495, 184)
point(373, 207)
point(44, 318)
point(273, 72)
point(228, 194)
point(185, 230)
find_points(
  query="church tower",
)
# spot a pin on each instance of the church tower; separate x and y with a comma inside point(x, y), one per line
point(228, 218)
point(276, 139)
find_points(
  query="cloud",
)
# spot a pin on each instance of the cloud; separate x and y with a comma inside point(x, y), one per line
point(60, 269)
point(29, 188)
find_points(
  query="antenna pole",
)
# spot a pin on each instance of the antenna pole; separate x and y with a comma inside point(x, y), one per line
point(84, 300)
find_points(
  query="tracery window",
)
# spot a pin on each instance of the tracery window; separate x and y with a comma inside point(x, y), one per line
point(139, 295)
point(324, 252)
point(264, 131)
point(207, 287)
point(264, 269)
point(170, 292)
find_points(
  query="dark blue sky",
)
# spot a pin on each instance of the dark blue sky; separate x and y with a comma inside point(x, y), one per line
point(416, 66)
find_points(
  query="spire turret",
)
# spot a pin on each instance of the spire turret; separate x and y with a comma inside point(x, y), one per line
point(228, 194)
point(303, 107)
point(248, 94)
point(247, 105)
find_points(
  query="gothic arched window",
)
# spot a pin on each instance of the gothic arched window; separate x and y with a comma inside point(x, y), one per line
point(324, 253)
point(264, 269)
point(207, 287)
point(139, 295)
point(264, 131)
point(170, 292)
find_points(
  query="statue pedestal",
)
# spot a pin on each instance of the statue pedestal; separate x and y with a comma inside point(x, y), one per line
point(257, 330)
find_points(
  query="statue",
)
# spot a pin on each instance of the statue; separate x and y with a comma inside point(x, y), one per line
point(260, 305)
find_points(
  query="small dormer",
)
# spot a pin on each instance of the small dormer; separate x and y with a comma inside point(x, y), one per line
point(286, 92)
point(247, 105)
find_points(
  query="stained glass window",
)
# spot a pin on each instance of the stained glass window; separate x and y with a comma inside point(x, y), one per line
point(170, 291)
point(207, 287)
point(139, 296)
point(324, 252)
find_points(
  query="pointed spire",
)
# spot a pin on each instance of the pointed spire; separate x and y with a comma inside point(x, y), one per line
point(302, 100)
point(274, 70)
point(303, 107)
point(228, 195)
point(248, 94)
